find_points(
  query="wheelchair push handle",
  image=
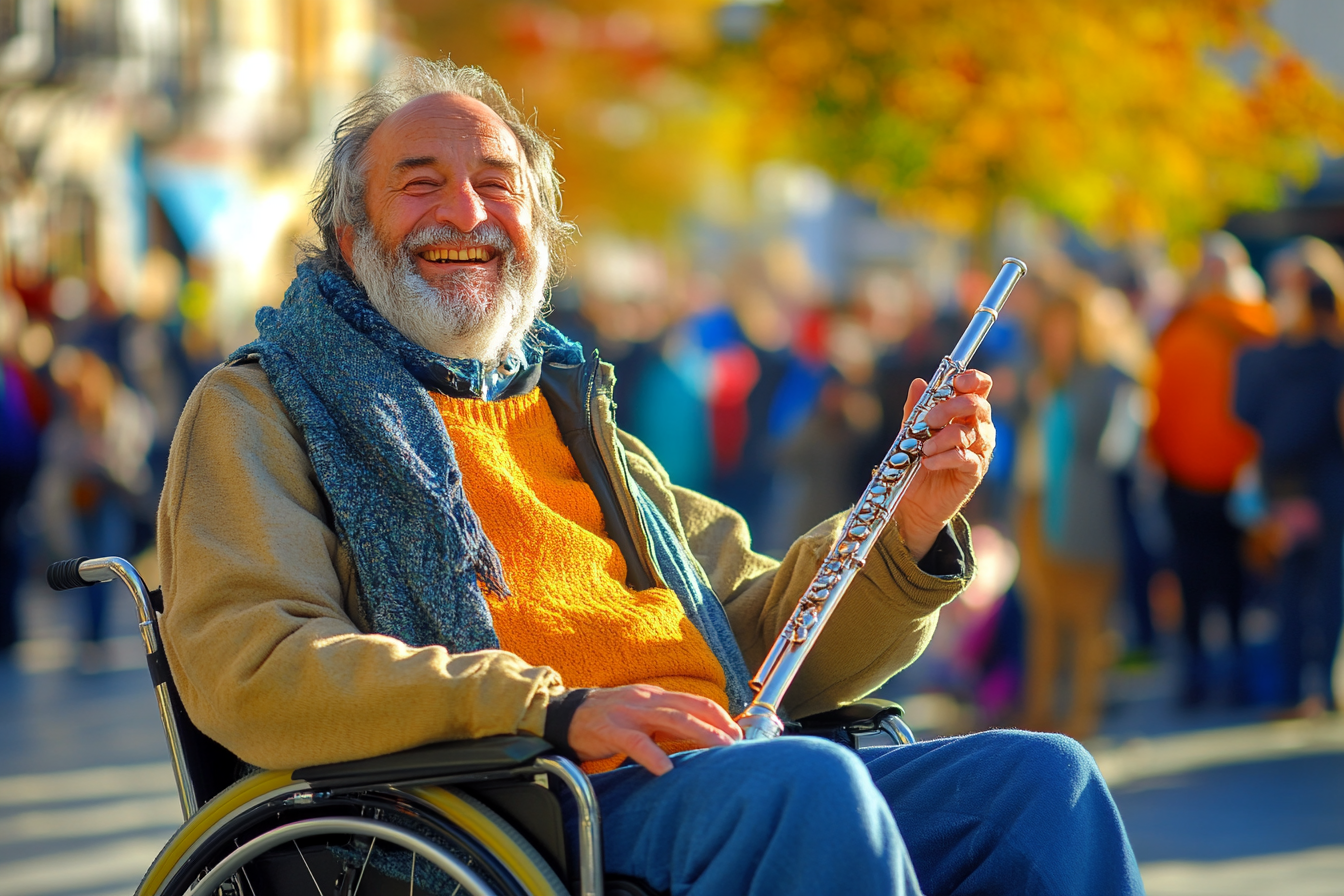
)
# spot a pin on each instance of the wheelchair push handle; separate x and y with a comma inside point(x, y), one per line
point(64, 575)
point(81, 572)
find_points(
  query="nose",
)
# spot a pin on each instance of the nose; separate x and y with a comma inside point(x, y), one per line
point(461, 207)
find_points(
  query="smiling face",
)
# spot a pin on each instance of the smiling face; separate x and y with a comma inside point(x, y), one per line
point(449, 238)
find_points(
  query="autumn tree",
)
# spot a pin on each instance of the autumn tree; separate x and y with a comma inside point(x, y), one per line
point(616, 85)
point(1124, 116)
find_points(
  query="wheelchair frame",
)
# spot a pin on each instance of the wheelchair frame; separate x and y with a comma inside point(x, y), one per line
point(216, 809)
point(405, 776)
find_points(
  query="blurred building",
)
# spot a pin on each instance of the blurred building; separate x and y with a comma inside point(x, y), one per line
point(185, 126)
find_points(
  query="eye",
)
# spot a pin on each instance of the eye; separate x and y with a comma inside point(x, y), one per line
point(421, 185)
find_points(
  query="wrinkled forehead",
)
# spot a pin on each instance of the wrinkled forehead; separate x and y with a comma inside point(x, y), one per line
point(445, 127)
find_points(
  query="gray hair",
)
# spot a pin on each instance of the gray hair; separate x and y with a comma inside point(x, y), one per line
point(340, 182)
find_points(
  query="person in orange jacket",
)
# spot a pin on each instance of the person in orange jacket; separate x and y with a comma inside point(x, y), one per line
point(1201, 444)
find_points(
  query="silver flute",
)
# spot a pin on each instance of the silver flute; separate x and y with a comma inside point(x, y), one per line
point(891, 479)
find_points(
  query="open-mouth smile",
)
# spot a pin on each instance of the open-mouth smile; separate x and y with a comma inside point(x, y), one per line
point(466, 254)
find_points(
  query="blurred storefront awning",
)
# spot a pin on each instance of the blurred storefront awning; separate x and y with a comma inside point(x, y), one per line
point(197, 200)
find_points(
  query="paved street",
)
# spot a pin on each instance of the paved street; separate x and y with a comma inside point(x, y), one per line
point(1217, 804)
point(86, 796)
point(1257, 809)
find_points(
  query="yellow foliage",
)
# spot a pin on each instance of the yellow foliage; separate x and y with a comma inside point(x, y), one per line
point(1113, 113)
point(1120, 115)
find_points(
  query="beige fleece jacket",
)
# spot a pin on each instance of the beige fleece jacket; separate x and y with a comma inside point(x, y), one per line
point(273, 659)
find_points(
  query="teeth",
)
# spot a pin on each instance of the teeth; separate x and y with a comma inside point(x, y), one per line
point(475, 253)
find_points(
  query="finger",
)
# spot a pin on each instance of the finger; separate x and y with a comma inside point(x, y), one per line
point(676, 725)
point(957, 460)
point(952, 437)
point(917, 387)
point(968, 408)
point(973, 381)
point(641, 748)
point(701, 708)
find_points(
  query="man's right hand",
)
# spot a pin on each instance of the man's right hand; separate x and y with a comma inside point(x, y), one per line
point(625, 720)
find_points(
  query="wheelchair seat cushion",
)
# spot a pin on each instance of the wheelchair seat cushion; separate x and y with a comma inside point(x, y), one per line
point(428, 762)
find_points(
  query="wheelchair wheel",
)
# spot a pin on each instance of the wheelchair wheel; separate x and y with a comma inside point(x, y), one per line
point(430, 840)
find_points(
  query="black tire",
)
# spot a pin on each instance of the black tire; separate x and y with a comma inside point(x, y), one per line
point(331, 848)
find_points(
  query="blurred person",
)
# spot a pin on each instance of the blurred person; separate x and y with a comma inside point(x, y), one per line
point(1067, 523)
point(25, 409)
point(459, 574)
point(670, 410)
point(1144, 539)
point(1292, 394)
point(153, 363)
point(811, 449)
point(1200, 445)
point(815, 464)
point(749, 485)
point(990, 651)
point(146, 364)
point(97, 451)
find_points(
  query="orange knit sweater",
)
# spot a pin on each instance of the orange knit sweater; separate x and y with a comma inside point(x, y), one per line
point(569, 607)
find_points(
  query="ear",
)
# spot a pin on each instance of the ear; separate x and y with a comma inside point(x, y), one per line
point(345, 238)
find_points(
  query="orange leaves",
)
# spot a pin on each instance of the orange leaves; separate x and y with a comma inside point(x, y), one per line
point(1123, 115)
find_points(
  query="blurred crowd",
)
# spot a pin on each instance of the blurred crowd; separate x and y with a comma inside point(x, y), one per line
point(90, 400)
point(1165, 485)
point(1168, 482)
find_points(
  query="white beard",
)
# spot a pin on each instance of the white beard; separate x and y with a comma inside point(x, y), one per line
point(470, 317)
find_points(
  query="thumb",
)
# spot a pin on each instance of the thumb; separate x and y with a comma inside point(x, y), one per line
point(917, 387)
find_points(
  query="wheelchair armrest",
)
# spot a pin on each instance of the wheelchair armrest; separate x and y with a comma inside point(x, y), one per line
point(419, 763)
point(854, 713)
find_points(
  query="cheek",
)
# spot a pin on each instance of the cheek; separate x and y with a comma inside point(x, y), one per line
point(523, 219)
point(400, 217)
point(519, 229)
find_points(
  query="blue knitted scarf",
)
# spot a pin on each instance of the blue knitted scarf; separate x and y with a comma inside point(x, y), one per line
point(352, 385)
point(350, 382)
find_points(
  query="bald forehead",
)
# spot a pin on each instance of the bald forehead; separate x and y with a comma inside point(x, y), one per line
point(447, 119)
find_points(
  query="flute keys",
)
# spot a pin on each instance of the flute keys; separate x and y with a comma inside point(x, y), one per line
point(890, 478)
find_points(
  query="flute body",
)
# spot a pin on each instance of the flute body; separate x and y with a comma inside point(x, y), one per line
point(891, 479)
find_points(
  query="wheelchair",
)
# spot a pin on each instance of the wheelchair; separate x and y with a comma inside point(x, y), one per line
point(477, 817)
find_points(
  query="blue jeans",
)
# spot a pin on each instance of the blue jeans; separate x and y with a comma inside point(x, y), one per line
point(1002, 812)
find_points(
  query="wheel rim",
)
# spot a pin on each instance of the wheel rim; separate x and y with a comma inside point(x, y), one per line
point(380, 830)
point(446, 820)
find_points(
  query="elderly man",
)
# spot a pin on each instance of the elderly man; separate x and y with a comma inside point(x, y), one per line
point(405, 514)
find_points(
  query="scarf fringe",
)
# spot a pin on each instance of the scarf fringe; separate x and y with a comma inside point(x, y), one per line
point(384, 459)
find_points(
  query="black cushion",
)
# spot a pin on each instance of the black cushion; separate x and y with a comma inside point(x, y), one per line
point(429, 761)
point(860, 711)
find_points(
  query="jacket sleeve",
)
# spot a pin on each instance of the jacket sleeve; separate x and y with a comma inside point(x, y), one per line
point(883, 623)
point(260, 606)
